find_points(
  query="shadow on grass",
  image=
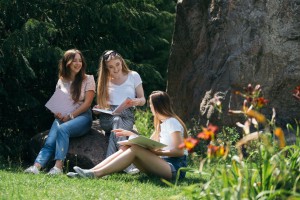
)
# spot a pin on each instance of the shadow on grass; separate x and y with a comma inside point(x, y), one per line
point(190, 179)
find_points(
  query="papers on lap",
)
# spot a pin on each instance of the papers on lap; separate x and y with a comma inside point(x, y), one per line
point(61, 102)
point(125, 104)
point(143, 142)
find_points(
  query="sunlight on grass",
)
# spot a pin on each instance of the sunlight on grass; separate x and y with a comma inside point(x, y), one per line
point(18, 185)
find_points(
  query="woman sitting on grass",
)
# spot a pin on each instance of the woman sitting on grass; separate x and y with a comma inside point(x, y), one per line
point(169, 129)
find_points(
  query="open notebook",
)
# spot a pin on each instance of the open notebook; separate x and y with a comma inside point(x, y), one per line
point(125, 104)
point(143, 142)
point(61, 102)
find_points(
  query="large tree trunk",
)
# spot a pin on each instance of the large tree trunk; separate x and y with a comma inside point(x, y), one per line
point(223, 45)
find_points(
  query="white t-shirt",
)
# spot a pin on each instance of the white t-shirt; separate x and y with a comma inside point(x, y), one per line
point(118, 93)
point(168, 127)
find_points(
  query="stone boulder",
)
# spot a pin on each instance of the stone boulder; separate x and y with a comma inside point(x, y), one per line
point(223, 45)
point(85, 151)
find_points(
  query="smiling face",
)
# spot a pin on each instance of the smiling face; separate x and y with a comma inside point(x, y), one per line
point(114, 67)
point(75, 64)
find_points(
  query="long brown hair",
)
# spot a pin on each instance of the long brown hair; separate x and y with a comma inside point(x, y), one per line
point(65, 72)
point(104, 77)
point(162, 105)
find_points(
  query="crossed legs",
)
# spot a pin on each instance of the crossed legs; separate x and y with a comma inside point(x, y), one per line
point(145, 160)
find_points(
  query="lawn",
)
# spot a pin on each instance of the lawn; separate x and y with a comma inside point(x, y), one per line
point(14, 184)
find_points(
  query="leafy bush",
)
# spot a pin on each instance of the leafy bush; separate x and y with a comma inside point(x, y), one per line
point(270, 170)
point(144, 122)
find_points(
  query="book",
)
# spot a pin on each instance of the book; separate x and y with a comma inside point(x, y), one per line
point(117, 111)
point(61, 102)
point(143, 142)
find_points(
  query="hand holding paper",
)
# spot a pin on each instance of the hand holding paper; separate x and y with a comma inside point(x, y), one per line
point(125, 104)
point(61, 102)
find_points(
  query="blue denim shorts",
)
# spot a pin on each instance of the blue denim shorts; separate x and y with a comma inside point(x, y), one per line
point(176, 163)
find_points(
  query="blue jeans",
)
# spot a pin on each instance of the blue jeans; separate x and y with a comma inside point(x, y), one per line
point(57, 143)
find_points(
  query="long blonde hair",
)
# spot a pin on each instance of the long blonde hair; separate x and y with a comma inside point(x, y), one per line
point(162, 105)
point(65, 72)
point(104, 76)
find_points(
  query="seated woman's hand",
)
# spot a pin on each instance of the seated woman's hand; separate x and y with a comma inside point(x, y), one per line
point(157, 152)
point(121, 132)
point(96, 112)
point(58, 116)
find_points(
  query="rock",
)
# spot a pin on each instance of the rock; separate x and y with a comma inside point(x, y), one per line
point(85, 151)
point(223, 45)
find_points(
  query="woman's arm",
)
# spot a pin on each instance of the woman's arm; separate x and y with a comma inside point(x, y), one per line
point(140, 100)
point(176, 151)
point(121, 132)
point(89, 96)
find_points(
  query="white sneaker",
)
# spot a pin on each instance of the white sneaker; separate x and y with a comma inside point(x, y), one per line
point(55, 171)
point(85, 173)
point(32, 169)
point(131, 169)
point(72, 175)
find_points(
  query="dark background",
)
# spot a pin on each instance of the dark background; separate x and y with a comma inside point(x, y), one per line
point(34, 35)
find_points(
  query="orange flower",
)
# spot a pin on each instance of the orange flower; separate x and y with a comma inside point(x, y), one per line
point(254, 114)
point(260, 102)
point(252, 96)
point(189, 143)
point(280, 134)
point(208, 133)
point(215, 151)
point(296, 92)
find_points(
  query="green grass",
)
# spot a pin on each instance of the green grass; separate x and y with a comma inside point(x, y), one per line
point(14, 184)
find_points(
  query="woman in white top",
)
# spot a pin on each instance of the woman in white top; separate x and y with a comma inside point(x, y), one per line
point(116, 83)
point(81, 89)
point(169, 129)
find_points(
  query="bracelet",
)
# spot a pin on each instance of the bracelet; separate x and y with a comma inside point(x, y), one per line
point(71, 116)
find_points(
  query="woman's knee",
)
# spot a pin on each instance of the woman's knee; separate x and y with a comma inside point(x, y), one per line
point(136, 148)
point(62, 131)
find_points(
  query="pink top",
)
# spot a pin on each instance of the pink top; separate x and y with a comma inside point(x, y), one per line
point(87, 84)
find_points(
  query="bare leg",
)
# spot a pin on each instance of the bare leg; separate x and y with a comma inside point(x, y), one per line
point(110, 158)
point(143, 158)
point(38, 165)
point(59, 164)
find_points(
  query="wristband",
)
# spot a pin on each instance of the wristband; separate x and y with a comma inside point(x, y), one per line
point(71, 116)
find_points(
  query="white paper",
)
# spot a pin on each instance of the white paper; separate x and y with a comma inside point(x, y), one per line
point(143, 142)
point(61, 102)
point(125, 104)
point(103, 111)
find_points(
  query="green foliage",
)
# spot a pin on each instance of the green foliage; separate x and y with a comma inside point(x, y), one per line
point(144, 122)
point(156, 82)
point(273, 176)
point(270, 170)
point(201, 148)
point(229, 136)
point(34, 34)
point(295, 130)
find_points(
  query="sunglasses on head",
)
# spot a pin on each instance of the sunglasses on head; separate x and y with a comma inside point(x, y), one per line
point(110, 54)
